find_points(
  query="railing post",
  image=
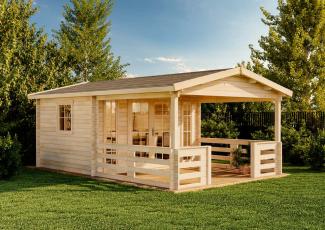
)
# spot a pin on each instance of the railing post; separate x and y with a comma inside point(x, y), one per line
point(130, 172)
point(255, 160)
point(278, 158)
point(208, 165)
point(174, 170)
point(233, 147)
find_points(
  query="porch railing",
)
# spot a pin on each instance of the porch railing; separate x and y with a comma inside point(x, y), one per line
point(265, 156)
point(164, 167)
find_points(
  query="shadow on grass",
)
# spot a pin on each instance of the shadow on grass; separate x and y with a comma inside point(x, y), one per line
point(300, 169)
point(35, 178)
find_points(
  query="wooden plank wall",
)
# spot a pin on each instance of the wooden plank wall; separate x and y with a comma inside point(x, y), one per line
point(64, 150)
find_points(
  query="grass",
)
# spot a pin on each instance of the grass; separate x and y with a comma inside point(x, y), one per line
point(44, 200)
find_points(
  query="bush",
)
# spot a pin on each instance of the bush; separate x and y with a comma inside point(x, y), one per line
point(10, 159)
point(267, 134)
point(213, 127)
point(296, 144)
point(316, 155)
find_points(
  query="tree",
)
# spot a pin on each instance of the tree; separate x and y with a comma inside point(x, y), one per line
point(83, 37)
point(28, 63)
point(293, 52)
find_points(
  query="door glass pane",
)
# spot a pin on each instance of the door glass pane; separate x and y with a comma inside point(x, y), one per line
point(140, 118)
point(110, 120)
point(161, 125)
point(187, 124)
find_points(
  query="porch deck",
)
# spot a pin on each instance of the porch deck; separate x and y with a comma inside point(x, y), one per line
point(219, 178)
point(192, 167)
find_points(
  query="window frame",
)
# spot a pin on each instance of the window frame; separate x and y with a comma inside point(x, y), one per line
point(58, 118)
point(163, 117)
point(140, 133)
point(108, 122)
point(188, 130)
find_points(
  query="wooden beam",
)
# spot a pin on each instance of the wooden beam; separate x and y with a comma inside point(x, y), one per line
point(217, 99)
point(103, 92)
point(38, 124)
point(134, 96)
point(174, 127)
point(277, 120)
point(95, 136)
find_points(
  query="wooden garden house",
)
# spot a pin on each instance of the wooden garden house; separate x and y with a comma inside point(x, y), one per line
point(147, 130)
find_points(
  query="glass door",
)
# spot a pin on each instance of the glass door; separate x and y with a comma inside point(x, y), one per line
point(161, 127)
point(187, 124)
point(140, 125)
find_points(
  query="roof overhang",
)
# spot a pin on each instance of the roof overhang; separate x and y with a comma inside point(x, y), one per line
point(103, 92)
point(239, 71)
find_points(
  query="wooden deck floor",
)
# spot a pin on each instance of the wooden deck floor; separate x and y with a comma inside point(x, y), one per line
point(220, 178)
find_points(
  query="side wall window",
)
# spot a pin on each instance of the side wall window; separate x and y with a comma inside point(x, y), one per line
point(65, 117)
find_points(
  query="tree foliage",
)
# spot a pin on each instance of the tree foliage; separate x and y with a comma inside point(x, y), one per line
point(10, 158)
point(83, 37)
point(293, 53)
point(28, 63)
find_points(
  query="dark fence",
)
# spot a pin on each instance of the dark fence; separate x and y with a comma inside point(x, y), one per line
point(252, 121)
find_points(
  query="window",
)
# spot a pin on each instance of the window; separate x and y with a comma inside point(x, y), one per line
point(65, 117)
point(187, 124)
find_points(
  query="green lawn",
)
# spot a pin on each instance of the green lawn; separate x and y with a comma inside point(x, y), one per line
point(37, 199)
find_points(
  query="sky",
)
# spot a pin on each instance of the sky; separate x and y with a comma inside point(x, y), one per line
point(171, 36)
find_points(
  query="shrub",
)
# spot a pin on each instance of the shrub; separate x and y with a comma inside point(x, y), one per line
point(296, 144)
point(213, 127)
point(238, 159)
point(267, 134)
point(316, 155)
point(10, 159)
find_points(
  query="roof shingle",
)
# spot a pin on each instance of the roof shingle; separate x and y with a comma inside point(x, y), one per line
point(131, 83)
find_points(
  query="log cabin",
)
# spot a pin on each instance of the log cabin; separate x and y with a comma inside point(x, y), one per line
point(147, 130)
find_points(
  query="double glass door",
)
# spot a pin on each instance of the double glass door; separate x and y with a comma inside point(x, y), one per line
point(150, 123)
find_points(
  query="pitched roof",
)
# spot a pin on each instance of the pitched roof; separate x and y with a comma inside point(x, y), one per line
point(130, 83)
point(159, 83)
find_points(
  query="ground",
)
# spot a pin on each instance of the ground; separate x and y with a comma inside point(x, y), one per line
point(39, 200)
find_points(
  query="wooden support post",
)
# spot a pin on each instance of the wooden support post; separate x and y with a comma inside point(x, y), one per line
point(130, 154)
point(277, 136)
point(277, 120)
point(38, 123)
point(174, 127)
point(198, 124)
point(175, 141)
point(95, 136)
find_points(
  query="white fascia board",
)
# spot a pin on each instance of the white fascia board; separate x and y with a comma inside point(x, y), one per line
point(205, 79)
point(104, 92)
point(31, 95)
